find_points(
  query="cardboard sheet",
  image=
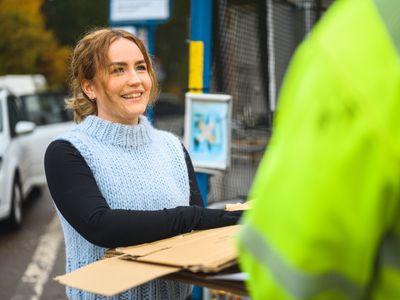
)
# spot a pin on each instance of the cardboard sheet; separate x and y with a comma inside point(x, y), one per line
point(112, 276)
point(201, 251)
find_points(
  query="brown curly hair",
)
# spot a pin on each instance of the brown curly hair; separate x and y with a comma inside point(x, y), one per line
point(90, 57)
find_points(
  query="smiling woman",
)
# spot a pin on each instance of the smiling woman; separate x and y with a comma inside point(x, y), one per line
point(122, 91)
point(117, 181)
point(108, 65)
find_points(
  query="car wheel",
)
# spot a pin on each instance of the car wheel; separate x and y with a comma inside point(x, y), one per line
point(15, 217)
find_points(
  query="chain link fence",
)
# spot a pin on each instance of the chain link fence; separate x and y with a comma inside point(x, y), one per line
point(253, 42)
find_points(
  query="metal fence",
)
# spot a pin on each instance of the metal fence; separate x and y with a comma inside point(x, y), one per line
point(253, 42)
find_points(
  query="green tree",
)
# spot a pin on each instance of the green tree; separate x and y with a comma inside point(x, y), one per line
point(26, 47)
point(69, 19)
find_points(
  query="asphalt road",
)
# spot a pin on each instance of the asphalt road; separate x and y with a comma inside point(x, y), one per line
point(31, 257)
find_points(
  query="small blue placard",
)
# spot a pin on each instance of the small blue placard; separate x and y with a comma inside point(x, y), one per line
point(207, 130)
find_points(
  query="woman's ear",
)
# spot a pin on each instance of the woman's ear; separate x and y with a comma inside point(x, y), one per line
point(88, 89)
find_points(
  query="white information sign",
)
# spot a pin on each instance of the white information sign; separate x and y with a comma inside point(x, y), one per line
point(208, 119)
point(138, 10)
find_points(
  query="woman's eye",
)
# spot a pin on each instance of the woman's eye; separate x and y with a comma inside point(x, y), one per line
point(141, 68)
point(117, 70)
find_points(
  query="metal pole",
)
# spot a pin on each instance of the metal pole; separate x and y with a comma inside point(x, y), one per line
point(151, 29)
point(200, 75)
point(200, 51)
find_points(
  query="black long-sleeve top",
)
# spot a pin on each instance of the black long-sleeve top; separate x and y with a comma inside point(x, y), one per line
point(79, 200)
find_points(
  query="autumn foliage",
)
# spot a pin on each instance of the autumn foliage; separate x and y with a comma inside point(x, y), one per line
point(26, 46)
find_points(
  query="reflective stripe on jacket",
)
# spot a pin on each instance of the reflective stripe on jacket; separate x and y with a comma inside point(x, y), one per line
point(325, 222)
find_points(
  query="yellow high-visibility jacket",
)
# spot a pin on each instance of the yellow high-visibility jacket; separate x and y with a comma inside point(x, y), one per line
point(325, 222)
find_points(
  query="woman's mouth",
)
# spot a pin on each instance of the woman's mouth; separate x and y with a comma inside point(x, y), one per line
point(132, 96)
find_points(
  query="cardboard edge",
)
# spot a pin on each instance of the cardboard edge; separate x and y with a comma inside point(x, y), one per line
point(96, 277)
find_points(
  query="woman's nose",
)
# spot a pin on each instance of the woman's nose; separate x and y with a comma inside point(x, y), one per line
point(133, 78)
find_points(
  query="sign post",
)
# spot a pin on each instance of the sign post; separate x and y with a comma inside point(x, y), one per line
point(199, 75)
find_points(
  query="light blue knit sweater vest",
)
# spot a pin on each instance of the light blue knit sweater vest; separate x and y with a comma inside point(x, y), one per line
point(136, 167)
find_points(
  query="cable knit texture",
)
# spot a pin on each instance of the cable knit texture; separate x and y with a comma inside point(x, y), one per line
point(136, 167)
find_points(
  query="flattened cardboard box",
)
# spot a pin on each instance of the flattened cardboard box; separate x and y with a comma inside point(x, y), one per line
point(202, 251)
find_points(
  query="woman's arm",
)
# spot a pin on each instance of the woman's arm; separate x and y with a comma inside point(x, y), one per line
point(79, 200)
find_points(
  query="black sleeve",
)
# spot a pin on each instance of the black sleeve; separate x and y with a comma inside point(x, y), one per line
point(195, 196)
point(78, 198)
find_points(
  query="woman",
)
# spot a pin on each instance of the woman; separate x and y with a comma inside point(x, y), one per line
point(115, 180)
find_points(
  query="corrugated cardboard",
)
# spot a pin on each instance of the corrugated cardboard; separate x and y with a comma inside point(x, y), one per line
point(201, 251)
point(112, 276)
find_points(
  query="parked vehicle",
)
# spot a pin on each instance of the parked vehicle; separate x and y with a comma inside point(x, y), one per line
point(22, 147)
point(20, 84)
point(46, 108)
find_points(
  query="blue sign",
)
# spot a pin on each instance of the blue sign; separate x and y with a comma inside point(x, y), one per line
point(207, 130)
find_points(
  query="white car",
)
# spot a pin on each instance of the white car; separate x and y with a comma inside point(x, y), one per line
point(22, 148)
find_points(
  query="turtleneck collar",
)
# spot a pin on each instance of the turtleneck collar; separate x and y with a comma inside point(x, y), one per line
point(118, 134)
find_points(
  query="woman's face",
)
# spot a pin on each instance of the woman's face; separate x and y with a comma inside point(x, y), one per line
point(123, 93)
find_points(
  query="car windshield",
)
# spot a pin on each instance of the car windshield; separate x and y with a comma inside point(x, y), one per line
point(46, 108)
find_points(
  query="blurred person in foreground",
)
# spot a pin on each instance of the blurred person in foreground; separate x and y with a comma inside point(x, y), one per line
point(325, 222)
point(115, 180)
